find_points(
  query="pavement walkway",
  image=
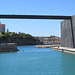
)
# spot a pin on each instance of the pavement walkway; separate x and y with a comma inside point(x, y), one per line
point(64, 49)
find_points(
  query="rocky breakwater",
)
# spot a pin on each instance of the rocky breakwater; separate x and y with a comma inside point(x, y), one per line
point(8, 47)
point(46, 46)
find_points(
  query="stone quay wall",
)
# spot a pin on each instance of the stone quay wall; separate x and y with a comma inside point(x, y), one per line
point(8, 47)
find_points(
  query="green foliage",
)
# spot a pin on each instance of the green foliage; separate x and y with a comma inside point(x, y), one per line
point(13, 35)
point(3, 32)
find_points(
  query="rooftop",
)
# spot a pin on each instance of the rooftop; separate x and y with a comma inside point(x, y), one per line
point(1, 23)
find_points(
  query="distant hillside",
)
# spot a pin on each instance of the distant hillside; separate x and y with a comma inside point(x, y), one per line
point(19, 38)
point(50, 40)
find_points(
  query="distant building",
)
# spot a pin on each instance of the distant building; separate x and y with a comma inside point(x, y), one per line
point(2, 27)
point(50, 40)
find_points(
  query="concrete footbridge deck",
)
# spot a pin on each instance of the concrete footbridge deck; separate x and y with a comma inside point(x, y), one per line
point(34, 17)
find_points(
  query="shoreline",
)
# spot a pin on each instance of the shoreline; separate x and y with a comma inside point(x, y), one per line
point(46, 46)
point(58, 48)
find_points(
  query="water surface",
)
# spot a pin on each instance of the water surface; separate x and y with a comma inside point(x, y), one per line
point(36, 61)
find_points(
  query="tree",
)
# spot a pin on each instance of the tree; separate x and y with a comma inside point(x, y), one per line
point(3, 33)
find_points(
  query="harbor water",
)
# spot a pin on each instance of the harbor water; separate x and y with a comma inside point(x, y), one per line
point(36, 61)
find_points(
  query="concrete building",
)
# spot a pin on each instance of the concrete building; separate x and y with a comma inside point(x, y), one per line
point(2, 27)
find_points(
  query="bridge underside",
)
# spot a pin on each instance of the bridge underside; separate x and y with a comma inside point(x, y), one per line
point(34, 17)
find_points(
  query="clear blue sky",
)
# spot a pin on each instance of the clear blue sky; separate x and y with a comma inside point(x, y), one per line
point(36, 7)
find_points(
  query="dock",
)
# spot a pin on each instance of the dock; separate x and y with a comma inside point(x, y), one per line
point(64, 49)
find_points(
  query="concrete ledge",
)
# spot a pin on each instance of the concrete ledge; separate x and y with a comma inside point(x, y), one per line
point(64, 49)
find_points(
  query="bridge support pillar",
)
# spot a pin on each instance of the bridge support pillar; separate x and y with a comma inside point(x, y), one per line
point(73, 24)
point(66, 34)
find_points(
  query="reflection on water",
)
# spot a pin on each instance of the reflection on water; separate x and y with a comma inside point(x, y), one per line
point(36, 61)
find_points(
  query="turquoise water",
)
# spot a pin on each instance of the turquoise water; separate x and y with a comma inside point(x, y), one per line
point(36, 61)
